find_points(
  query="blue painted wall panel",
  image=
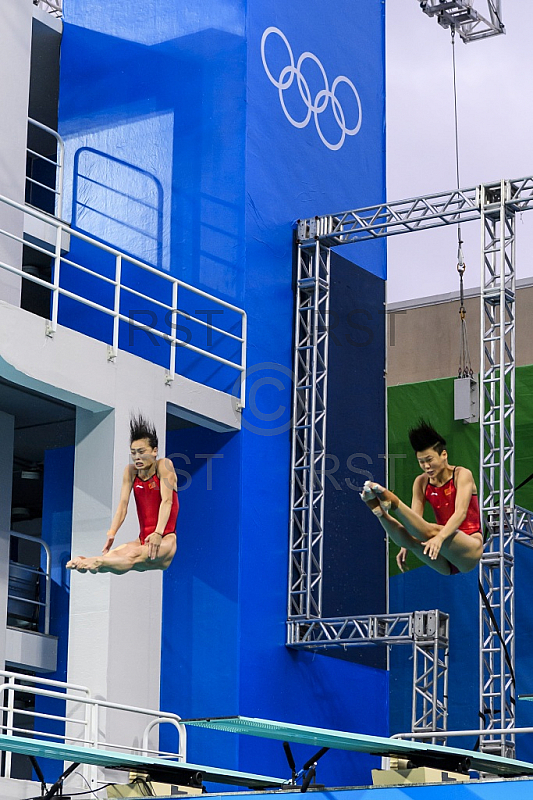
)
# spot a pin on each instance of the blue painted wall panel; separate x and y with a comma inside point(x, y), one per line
point(291, 173)
point(200, 665)
point(177, 130)
point(57, 533)
point(154, 134)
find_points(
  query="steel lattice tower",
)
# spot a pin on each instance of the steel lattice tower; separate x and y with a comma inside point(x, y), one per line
point(497, 451)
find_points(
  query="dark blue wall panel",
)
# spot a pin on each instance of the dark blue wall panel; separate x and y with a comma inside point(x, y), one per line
point(355, 555)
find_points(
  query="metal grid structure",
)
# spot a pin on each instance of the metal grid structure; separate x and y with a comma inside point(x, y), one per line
point(426, 631)
point(461, 15)
point(496, 204)
point(308, 452)
point(523, 526)
point(496, 492)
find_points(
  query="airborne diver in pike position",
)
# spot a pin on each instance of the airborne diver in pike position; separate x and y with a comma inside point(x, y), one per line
point(154, 485)
point(452, 544)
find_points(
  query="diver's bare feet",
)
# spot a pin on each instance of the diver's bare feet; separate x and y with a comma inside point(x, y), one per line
point(79, 564)
point(368, 497)
point(387, 499)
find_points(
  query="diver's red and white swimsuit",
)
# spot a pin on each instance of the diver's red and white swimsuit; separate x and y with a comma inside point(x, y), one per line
point(442, 501)
point(148, 499)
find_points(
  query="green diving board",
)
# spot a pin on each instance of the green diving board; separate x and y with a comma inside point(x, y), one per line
point(423, 754)
point(158, 769)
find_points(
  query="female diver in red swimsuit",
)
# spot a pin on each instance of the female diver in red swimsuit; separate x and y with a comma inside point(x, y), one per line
point(454, 543)
point(154, 485)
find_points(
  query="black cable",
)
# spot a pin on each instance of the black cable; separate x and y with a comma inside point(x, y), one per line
point(79, 794)
point(529, 478)
point(499, 634)
point(93, 791)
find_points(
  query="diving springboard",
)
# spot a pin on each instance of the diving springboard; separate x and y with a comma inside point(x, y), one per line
point(158, 769)
point(421, 754)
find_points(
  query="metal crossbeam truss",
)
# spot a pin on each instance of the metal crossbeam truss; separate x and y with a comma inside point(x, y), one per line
point(407, 216)
point(496, 492)
point(496, 204)
point(467, 21)
point(426, 631)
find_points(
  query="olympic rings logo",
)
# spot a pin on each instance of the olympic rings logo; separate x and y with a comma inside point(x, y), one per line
point(317, 105)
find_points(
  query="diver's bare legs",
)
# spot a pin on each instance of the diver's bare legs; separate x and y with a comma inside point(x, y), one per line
point(400, 535)
point(130, 557)
point(411, 531)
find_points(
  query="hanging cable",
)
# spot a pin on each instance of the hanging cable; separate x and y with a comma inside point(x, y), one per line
point(465, 366)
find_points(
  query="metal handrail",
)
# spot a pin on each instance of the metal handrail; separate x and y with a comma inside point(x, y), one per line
point(62, 229)
point(90, 722)
point(58, 163)
point(9, 707)
point(47, 575)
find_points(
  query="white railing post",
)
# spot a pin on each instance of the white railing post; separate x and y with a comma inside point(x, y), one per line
point(9, 723)
point(116, 306)
point(173, 328)
point(182, 736)
point(94, 736)
point(244, 336)
point(52, 324)
point(59, 182)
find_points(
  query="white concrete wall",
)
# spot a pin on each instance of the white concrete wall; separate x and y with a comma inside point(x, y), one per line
point(15, 55)
point(7, 432)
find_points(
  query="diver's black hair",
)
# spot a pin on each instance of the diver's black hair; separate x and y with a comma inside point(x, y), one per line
point(140, 428)
point(424, 437)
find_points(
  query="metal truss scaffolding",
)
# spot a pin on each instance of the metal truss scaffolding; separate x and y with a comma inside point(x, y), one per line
point(497, 702)
point(309, 433)
point(461, 15)
point(496, 204)
point(426, 631)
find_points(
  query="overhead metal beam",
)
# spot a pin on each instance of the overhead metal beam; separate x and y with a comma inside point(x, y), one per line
point(465, 18)
point(413, 214)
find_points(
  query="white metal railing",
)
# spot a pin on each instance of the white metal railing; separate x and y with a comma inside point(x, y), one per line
point(78, 698)
point(34, 603)
point(173, 315)
point(472, 732)
point(57, 163)
point(54, 7)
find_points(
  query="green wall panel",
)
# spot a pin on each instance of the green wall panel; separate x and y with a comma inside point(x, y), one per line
point(433, 400)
